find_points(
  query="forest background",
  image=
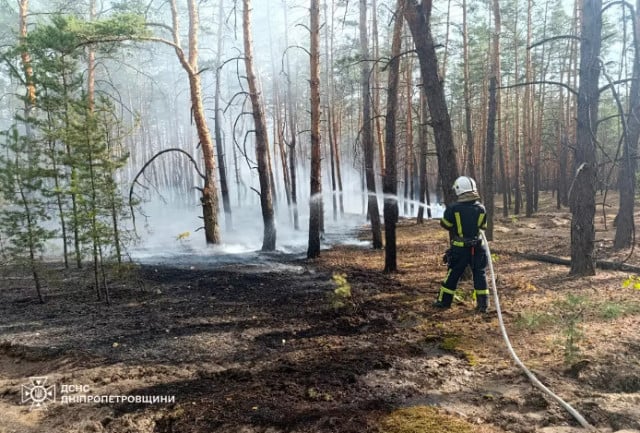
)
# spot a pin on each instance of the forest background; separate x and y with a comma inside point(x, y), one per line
point(256, 112)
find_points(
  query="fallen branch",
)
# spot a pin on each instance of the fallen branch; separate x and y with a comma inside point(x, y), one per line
point(601, 264)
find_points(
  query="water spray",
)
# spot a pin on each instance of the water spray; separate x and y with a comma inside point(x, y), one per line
point(583, 422)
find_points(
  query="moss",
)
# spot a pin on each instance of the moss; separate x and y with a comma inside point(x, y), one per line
point(452, 344)
point(421, 419)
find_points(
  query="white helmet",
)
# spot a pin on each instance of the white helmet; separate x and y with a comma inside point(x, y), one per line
point(464, 184)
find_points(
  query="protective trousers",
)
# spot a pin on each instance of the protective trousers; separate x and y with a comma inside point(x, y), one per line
point(459, 258)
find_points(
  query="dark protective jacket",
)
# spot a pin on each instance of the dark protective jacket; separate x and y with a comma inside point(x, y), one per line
point(464, 220)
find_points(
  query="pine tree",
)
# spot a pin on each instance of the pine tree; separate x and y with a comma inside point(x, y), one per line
point(22, 219)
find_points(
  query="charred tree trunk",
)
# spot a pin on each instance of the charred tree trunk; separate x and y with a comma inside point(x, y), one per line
point(625, 229)
point(390, 179)
point(292, 132)
point(315, 199)
point(222, 168)
point(418, 18)
point(335, 125)
point(328, 47)
point(425, 200)
point(262, 138)
point(582, 194)
point(528, 130)
point(408, 148)
point(367, 131)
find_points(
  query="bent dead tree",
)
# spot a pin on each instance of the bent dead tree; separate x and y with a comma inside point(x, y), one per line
point(148, 163)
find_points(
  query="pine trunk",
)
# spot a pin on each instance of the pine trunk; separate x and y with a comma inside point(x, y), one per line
point(582, 197)
point(418, 20)
point(367, 131)
point(262, 138)
point(390, 179)
point(315, 201)
point(629, 165)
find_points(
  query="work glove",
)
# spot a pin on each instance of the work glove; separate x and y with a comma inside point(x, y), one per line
point(445, 257)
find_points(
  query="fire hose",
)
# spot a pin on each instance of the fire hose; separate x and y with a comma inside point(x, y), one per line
point(534, 380)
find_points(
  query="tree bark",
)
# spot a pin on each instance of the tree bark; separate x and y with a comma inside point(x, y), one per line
point(209, 197)
point(470, 166)
point(418, 18)
point(315, 200)
point(494, 83)
point(425, 200)
point(528, 130)
point(625, 228)
point(582, 194)
point(390, 179)
point(367, 131)
point(292, 131)
point(222, 168)
point(262, 139)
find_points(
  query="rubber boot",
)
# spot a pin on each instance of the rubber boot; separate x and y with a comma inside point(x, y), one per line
point(444, 300)
point(482, 302)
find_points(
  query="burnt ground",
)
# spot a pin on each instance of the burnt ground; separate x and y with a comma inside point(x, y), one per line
point(269, 349)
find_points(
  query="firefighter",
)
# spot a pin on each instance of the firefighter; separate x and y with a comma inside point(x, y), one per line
point(464, 219)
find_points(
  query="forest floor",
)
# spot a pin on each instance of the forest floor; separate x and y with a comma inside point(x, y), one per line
point(236, 350)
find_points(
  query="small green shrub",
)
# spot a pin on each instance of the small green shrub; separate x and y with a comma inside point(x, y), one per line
point(572, 316)
point(611, 311)
point(341, 295)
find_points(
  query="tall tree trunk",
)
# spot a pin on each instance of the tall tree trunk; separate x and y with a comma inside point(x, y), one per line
point(209, 197)
point(283, 152)
point(528, 130)
point(418, 18)
point(582, 196)
point(292, 129)
point(375, 75)
point(222, 168)
point(517, 144)
point(471, 167)
point(262, 138)
point(425, 200)
point(367, 131)
point(390, 179)
point(408, 148)
point(328, 47)
point(494, 82)
point(315, 200)
point(336, 126)
point(447, 39)
point(625, 229)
